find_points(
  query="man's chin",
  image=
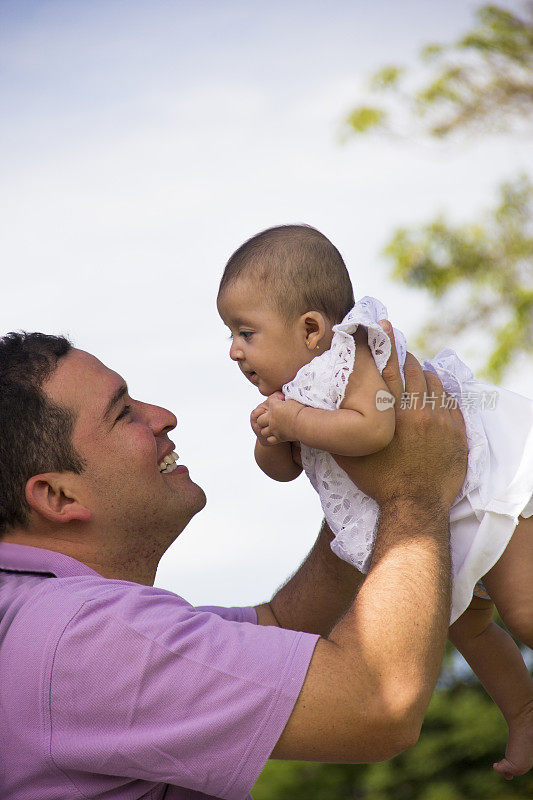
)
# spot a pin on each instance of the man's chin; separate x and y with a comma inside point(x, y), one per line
point(202, 498)
point(198, 499)
point(196, 502)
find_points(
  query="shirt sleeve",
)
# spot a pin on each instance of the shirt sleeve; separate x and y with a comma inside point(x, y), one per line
point(146, 687)
point(235, 613)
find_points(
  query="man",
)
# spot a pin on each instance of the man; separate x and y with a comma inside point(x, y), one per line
point(112, 688)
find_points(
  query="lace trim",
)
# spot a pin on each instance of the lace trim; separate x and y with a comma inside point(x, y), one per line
point(352, 515)
point(322, 383)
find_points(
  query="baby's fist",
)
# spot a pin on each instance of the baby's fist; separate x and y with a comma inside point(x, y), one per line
point(282, 418)
point(254, 417)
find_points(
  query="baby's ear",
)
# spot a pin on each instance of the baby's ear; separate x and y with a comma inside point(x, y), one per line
point(315, 325)
point(50, 496)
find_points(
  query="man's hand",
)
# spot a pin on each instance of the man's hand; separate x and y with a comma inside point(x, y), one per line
point(278, 422)
point(427, 457)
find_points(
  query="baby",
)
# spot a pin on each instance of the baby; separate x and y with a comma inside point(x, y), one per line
point(298, 335)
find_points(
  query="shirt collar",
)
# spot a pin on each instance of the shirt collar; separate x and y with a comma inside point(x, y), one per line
point(23, 558)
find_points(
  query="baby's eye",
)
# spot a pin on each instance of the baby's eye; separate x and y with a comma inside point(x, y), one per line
point(246, 335)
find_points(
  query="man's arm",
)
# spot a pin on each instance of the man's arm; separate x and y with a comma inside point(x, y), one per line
point(369, 682)
point(317, 595)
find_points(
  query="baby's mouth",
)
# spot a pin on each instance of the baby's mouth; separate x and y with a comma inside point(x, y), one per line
point(168, 464)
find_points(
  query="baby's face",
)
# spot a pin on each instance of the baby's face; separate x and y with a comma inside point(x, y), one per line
point(268, 351)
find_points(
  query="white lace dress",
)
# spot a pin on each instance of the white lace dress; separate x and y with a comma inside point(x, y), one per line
point(499, 480)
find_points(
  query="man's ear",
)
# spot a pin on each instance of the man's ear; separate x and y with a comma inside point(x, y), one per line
point(50, 496)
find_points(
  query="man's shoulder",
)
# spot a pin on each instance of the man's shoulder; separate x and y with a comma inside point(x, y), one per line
point(108, 597)
point(103, 608)
point(48, 607)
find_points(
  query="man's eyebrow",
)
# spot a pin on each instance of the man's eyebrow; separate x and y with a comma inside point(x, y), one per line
point(117, 396)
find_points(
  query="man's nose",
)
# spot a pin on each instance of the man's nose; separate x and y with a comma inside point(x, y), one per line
point(160, 419)
point(235, 351)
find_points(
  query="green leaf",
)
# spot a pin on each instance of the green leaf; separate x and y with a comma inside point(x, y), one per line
point(491, 261)
point(364, 118)
point(386, 78)
point(430, 51)
point(481, 83)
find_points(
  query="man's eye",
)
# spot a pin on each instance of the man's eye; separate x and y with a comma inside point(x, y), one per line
point(124, 413)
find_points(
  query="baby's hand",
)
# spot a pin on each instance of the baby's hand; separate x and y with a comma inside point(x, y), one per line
point(254, 416)
point(278, 422)
point(261, 409)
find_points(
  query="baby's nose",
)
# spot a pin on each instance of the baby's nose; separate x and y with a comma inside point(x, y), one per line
point(235, 352)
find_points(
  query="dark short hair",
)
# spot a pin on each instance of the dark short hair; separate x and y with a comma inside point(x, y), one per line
point(35, 432)
point(297, 268)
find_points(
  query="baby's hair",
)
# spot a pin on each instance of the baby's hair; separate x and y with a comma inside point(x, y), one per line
point(297, 268)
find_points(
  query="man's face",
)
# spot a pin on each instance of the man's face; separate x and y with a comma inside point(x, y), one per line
point(123, 442)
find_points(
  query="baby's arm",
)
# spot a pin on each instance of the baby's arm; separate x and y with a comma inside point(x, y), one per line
point(359, 427)
point(498, 663)
point(275, 460)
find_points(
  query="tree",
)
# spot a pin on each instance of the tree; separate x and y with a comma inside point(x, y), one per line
point(481, 84)
point(493, 259)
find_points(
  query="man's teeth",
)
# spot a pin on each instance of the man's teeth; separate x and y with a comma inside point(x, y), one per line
point(168, 464)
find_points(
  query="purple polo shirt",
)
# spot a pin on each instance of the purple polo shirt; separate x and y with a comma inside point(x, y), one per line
point(110, 689)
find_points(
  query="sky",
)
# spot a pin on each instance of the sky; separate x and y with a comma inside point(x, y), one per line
point(142, 142)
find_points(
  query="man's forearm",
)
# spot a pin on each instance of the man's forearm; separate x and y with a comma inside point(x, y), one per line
point(399, 622)
point(371, 678)
point(318, 593)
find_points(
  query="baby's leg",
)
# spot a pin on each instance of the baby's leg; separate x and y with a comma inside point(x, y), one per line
point(497, 662)
point(510, 583)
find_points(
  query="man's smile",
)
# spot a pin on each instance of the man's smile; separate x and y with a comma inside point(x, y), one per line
point(168, 464)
